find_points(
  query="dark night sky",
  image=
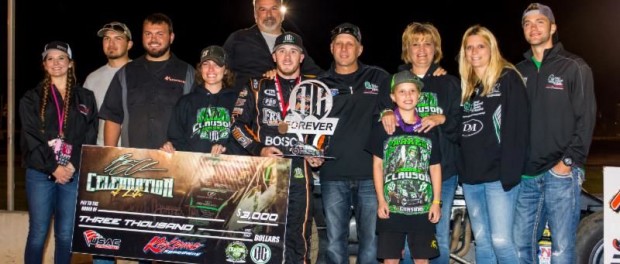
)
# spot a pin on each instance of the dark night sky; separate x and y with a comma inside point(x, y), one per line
point(588, 28)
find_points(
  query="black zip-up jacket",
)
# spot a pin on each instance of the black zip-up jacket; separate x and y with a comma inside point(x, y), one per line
point(249, 56)
point(82, 127)
point(201, 119)
point(441, 95)
point(495, 133)
point(563, 109)
point(354, 103)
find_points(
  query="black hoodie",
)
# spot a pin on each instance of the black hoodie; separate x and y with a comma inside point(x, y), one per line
point(440, 95)
point(201, 119)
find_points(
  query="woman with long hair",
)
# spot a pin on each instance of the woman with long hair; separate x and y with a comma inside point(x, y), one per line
point(494, 141)
point(58, 116)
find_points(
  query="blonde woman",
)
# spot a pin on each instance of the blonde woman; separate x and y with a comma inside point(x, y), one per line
point(494, 140)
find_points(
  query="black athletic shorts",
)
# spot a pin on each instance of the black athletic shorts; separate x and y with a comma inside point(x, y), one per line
point(422, 244)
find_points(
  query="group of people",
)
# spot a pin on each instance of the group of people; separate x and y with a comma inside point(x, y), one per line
point(515, 137)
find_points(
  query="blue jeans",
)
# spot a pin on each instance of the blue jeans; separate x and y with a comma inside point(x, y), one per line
point(338, 197)
point(103, 260)
point(46, 198)
point(491, 212)
point(553, 198)
point(448, 187)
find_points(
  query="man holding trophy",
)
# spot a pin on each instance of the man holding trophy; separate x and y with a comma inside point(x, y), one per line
point(285, 116)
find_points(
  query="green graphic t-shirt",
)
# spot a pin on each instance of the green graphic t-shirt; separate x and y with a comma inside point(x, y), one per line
point(406, 179)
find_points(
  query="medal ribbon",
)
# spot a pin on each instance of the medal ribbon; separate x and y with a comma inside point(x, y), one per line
point(406, 127)
point(280, 94)
point(59, 112)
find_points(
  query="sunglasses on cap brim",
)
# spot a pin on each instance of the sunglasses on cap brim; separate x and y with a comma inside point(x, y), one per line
point(347, 30)
point(115, 27)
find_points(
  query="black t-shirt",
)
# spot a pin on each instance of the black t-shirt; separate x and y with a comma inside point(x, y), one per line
point(407, 182)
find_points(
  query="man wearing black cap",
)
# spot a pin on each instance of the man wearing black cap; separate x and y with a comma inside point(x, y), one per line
point(116, 45)
point(259, 114)
point(560, 88)
point(250, 49)
point(348, 178)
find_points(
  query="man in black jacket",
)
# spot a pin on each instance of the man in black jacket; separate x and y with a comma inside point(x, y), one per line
point(250, 49)
point(563, 109)
point(348, 178)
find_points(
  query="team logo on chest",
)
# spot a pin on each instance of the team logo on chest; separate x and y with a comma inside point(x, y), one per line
point(212, 123)
point(556, 83)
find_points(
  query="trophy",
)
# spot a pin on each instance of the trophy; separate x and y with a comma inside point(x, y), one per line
point(309, 105)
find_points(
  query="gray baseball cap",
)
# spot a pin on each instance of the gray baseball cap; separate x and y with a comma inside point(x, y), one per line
point(406, 77)
point(537, 8)
point(117, 27)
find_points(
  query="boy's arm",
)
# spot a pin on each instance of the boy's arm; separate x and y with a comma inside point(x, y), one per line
point(377, 176)
point(435, 212)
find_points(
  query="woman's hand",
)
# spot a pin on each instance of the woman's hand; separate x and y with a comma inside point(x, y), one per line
point(217, 149)
point(63, 174)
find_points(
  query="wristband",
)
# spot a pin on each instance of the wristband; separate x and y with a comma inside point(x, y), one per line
point(383, 113)
point(437, 202)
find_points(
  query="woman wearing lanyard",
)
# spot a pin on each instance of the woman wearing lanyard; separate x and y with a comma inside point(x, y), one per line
point(57, 117)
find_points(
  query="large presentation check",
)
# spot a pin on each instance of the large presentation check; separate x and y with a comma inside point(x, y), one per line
point(182, 207)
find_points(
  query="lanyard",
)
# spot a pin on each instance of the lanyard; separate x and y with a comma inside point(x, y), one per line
point(280, 94)
point(406, 127)
point(59, 112)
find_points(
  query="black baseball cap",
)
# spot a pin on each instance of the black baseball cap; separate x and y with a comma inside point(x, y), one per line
point(347, 28)
point(289, 38)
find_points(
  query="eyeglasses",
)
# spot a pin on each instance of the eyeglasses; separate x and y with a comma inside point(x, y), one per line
point(347, 30)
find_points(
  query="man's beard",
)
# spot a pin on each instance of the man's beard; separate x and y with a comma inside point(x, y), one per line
point(113, 56)
point(270, 22)
point(159, 53)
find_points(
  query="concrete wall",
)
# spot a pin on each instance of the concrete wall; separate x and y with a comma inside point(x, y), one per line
point(13, 234)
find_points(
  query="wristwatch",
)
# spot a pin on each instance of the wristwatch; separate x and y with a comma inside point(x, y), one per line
point(567, 161)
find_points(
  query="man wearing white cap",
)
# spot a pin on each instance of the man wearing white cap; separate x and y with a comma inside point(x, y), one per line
point(563, 110)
